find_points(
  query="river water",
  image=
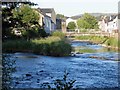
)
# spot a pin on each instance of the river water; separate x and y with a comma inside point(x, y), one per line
point(98, 68)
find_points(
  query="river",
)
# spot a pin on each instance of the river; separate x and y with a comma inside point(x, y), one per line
point(95, 67)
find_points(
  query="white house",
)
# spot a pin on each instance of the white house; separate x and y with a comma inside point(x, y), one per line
point(70, 20)
point(112, 25)
point(108, 25)
point(103, 24)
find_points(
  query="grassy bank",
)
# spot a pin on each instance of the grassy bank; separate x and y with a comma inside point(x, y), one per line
point(52, 46)
point(110, 42)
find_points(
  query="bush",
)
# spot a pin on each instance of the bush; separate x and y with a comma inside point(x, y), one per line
point(58, 34)
point(112, 42)
point(60, 48)
point(53, 46)
point(61, 84)
point(16, 45)
point(109, 41)
point(95, 39)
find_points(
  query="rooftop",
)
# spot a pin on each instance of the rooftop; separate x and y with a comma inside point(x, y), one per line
point(47, 10)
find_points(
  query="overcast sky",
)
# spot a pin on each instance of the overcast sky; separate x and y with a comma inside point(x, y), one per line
point(75, 7)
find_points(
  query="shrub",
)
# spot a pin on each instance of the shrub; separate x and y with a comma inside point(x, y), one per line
point(112, 42)
point(58, 34)
point(61, 84)
point(60, 48)
point(16, 45)
point(53, 46)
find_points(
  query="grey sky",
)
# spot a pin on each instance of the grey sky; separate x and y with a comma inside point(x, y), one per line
point(75, 7)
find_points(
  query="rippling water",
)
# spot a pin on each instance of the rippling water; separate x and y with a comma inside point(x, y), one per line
point(88, 72)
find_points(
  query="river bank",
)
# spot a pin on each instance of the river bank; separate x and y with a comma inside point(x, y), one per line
point(50, 46)
point(104, 45)
point(108, 42)
point(88, 72)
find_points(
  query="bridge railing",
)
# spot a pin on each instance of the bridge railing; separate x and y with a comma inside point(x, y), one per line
point(92, 34)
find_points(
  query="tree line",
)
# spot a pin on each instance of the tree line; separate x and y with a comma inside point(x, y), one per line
point(87, 21)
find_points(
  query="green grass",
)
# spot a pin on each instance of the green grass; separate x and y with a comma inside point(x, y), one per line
point(53, 46)
point(87, 50)
point(109, 41)
point(58, 34)
point(112, 42)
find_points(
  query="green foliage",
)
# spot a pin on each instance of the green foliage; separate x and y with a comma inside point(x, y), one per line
point(95, 39)
point(16, 45)
point(87, 50)
point(8, 20)
point(27, 18)
point(26, 14)
point(42, 33)
point(87, 21)
point(109, 41)
point(58, 34)
point(60, 16)
point(60, 49)
point(61, 84)
point(83, 30)
point(53, 46)
point(112, 42)
point(71, 25)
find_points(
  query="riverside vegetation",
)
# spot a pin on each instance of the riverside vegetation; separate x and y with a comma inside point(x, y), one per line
point(55, 45)
point(111, 42)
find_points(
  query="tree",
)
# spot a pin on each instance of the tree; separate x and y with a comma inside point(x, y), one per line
point(28, 18)
point(8, 22)
point(60, 16)
point(71, 25)
point(87, 21)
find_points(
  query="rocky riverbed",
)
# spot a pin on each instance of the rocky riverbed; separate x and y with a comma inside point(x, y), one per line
point(89, 70)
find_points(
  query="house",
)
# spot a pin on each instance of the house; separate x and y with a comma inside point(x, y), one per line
point(47, 19)
point(113, 25)
point(109, 24)
point(47, 24)
point(119, 22)
point(61, 25)
point(103, 24)
point(70, 20)
point(51, 13)
point(41, 17)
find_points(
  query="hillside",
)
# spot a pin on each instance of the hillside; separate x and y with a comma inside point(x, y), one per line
point(94, 14)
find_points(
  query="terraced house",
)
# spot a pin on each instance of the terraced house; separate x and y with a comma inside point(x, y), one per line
point(48, 18)
point(109, 24)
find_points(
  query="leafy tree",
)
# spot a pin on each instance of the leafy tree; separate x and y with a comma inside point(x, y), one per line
point(8, 22)
point(29, 20)
point(71, 25)
point(87, 21)
point(60, 16)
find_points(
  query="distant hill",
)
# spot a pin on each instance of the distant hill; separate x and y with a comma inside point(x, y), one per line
point(94, 14)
